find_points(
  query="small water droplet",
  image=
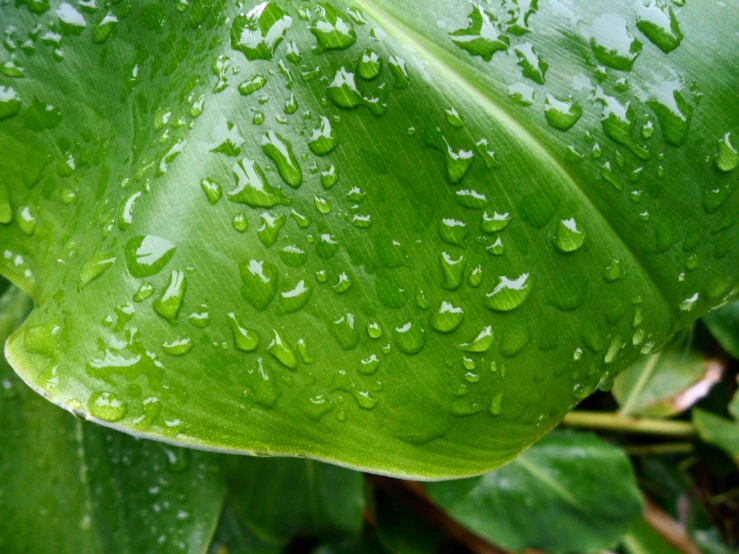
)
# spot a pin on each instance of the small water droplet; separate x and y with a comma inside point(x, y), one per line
point(446, 318)
point(259, 280)
point(509, 294)
point(410, 337)
point(243, 338)
point(106, 406)
point(258, 33)
point(569, 236)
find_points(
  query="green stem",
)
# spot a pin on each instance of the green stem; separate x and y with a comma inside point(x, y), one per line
point(609, 421)
point(663, 448)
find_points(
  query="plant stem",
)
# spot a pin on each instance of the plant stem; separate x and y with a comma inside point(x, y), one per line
point(614, 422)
point(663, 448)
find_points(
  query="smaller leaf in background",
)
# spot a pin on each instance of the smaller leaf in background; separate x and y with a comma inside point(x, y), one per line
point(279, 498)
point(570, 492)
point(233, 537)
point(71, 487)
point(643, 539)
point(718, 431)
point(723, 324)
point(402, 530)
point(668, 382)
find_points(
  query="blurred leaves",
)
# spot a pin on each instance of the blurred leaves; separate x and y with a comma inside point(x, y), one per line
point(666, 383)
point(724, 325)
point(718, 431)
point(569, 492)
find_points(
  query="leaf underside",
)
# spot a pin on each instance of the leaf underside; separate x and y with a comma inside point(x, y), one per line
point(400, 237)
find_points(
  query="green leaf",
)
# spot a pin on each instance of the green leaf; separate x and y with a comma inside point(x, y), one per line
point(724, 326)
point(361, 545)
point(718, 431)
point(67, 486)
point(233, 537)
point(570, 492)
point(279, 498)
point(643, 539)
point(667, 383)
point(315, 230)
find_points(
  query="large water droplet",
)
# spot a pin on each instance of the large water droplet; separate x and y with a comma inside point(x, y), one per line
point(344, 332)
point(410, 337)
point(369, 65)
point(282, 351)
point(168, 305)
point(658, 22)
point(259, 280)
point(452, 271)
point(727, 157)
point(509, 294)
point(569, 236)
point(561, 114)
point(331, 30)
point(532, 65)
point(343, 90)
point(147, 255)
point(243, 338)
point(482, 37)
point(612, 43)
point(295, 298)
point(480, 342)
point(252, 187)
point(446, 318)
point(323, 140)
point(258, 33)
point(106, 406)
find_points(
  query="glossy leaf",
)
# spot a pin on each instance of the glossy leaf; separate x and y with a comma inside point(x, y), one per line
point(718, 431)
point(279, 498)
point(570, 492)
point(67, 486)
point(667, 383)
point(724, 326)
point(400, 236)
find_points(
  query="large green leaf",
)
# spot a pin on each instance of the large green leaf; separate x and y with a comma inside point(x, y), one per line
point(400, 236)
point(571, 492)
point(718, 431)
point(67, 486)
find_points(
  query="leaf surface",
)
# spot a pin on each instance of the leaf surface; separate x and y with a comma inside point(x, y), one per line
point(399, 236)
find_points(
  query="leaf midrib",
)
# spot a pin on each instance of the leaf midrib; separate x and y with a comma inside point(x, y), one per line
point(440, 59)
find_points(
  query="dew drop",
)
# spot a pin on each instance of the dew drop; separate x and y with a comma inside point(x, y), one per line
point(569, 236)
point(482, 36)
point(243, 338)
point(258, 33)
point(259, 280)
point(344, 332)
point(168, 305)
point(410, 337)
point(658, 22)
point(323, 140)
point(106, 406)
point(280, 152)
point(727, 157)
point(509, 294)
point(561, 114)
point(446, 318)
point(282, 351)
point(148, 255)
point(369, 65)
point(178, 347)
point(480, 343)
point(252, 187)
point(94, 268)
point(331, 30)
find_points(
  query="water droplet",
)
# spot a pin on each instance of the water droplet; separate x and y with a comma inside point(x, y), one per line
point(253, 84)
point(516, 336)
point(240, 223)
point(252, 187)
point(344, 333)
point(148, 255)
point(496, 248)
point(727, 157)
point(521, 93)
point(532, 66)
point(614, 271)
point(331, 30)
point(259, 280)
point(243, 338)
point(672, 109)
point(369, 365)
point(446, 318)
point(369, 65)
point(258, 33)
point(399, 71)
point(143, 292)
point(487, 155)
point(618, 121)
point(480, 343)
point(374, 330)
point(453, 231)
point(612, 43)
point(561, 114)
point(495, 223)
point(509, 294)
point(168, 305)
point(201, 318)
point(212, 190)
point(471, 199)
point(658, 22)
point(106, 406)
point(282, 351)
point(178, 347)
point(6, 208)
point(322, 205)
point(94, 268)
point(482, 37)
point(496, 403)
point(263, 388)
point(326, 246)
point(569, 236)
point(221, 67)
point(295, 298)
point(343, 90)
point(26, 220)
point(280, 151)
point(410, 337)
point(452, 271)
point(453, 118)
point(343, 283)
point(103, 30)
point(323, 140)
